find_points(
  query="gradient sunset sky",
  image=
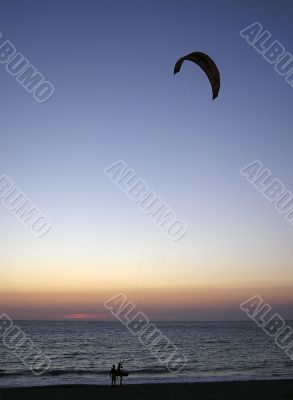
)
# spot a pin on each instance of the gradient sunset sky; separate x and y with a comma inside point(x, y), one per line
point(116, 98)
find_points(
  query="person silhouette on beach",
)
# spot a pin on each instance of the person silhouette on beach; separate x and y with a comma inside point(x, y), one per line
point(119, 372)
point(113, 374)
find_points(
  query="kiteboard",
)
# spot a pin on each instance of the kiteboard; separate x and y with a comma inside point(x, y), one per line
point(123, 374)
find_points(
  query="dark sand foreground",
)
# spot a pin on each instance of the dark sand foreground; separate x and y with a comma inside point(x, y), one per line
point(266, 390)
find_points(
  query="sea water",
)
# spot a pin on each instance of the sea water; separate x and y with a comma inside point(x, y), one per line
point(84, 352)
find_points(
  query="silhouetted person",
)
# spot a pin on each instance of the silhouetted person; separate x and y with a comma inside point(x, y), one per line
point(113, 374)
point(119, 372)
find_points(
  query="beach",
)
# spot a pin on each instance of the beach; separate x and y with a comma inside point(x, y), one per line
point(274, 390)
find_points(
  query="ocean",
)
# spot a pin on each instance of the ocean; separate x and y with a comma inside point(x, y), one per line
point(83, 352)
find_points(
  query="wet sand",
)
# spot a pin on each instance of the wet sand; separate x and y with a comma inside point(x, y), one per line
point(268, 390)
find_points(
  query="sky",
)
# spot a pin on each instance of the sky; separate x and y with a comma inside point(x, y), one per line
point(116, 98)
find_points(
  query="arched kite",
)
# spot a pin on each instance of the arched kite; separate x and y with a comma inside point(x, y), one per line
point(207, 64)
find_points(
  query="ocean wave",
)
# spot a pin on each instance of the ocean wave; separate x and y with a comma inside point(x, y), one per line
point(6, 373)
point(92, 372)
point(148, 371)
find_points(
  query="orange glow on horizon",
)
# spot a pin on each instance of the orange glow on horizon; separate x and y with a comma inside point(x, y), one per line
point(81, 316)
point(156, 302)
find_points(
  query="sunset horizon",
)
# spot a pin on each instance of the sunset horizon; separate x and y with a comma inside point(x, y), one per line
point(146, 199)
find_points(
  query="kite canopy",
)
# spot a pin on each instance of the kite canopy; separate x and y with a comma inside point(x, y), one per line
point(208, 66)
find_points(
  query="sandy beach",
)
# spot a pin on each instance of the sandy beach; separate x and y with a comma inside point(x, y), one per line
point(274, 390)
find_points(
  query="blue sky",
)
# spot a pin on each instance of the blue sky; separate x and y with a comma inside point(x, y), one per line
point(115, 98)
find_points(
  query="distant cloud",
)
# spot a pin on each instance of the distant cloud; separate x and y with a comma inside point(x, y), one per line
point(80, 316)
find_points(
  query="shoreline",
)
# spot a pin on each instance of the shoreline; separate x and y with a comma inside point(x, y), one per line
point(252, 389)
point(147, 382)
